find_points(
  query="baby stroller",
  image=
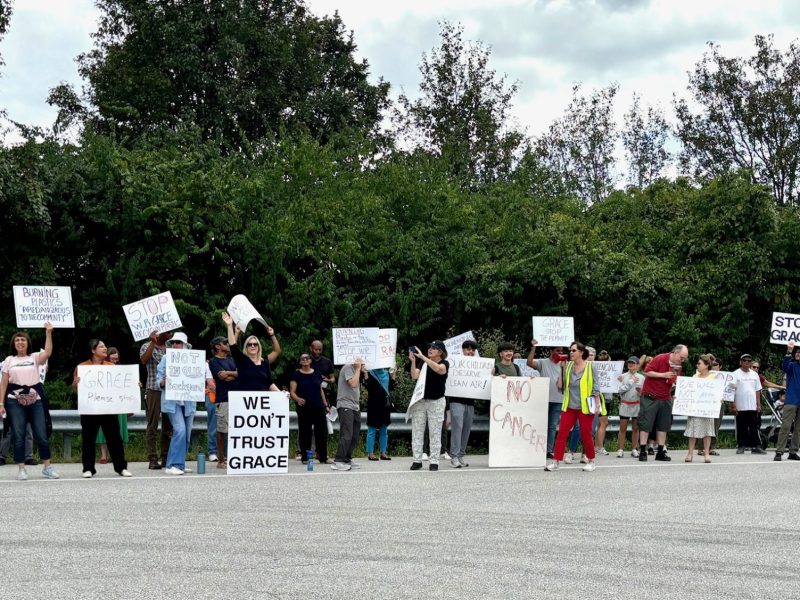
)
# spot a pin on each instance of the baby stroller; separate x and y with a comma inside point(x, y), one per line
point(769, 431)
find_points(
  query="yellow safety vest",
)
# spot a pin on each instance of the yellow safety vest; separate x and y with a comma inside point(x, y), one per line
point(587, 383)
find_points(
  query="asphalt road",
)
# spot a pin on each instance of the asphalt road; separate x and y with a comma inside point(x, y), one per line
point(629, 530)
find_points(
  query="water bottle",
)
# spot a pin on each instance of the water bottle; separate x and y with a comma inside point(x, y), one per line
point(201, 463)
point(309, 460)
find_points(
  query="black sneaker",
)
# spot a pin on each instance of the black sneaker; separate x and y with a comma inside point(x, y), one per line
point(793, 456)
point(416, 466)
point(433, 467)
point(778, 456)
point(757, 451)
point(642, 456)
point(740, 450)
point(650, 450)
point(662, 456)
point(154, 465)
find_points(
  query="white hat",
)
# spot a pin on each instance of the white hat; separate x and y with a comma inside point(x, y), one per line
point(179, 336)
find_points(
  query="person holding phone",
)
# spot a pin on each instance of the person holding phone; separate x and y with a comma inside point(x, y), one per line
point(430, 409)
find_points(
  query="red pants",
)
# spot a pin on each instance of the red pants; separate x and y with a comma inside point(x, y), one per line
point(568, 420)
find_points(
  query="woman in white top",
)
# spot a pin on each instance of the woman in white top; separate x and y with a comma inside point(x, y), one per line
point(22, 395)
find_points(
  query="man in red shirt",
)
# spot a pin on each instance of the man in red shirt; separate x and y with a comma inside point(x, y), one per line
point(655, 409)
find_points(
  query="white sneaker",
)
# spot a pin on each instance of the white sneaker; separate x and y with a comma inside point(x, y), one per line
point(87, 475)
point(620, 453)
point(173, 471)
point(444, 456)
point(425, 456)
point(455, 463)
point(188, 470)
point(213, 458)
point(568, 458)
point(553, 466)
point(635, 453)
point(601, 451)
point(340, 466)
point(590, 466)
point(583, 459)
point(126, 473)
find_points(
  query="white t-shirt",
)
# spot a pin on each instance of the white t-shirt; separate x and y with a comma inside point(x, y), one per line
point(747, 384)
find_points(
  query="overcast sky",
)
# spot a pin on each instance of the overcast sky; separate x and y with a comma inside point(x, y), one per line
point(545, 45)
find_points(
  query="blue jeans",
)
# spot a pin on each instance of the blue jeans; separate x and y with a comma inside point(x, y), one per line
point(21, 416)
point(383, 440)
point(211, 412)
point(553, 418)
point(179, 444)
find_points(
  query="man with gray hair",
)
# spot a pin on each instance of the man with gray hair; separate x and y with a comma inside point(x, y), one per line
point(655, 405)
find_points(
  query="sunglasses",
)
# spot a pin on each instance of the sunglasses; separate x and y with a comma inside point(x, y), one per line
point(305, 358)
point(574, 350)
point(253, 344)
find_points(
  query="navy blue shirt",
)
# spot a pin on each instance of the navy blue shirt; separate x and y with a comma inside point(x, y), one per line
point(216, 365)
point(308, 388)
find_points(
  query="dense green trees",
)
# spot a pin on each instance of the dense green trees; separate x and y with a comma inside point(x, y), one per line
point(254, 167)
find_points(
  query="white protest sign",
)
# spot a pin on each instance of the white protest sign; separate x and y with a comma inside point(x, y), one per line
point(469, 377)
point(350, 343)
point(524, 369)
point(386, 355)
point(108, 389)
point(518, 422)
point(156, 313)
point(785, 328)
point(186, 375)
point(37, 304)
point(419, 390)
point(453, 344)
point(553, 331)
point(242, 312)
point(606, 373)
point(698, 397)
point(729, 391)
point(258, 433)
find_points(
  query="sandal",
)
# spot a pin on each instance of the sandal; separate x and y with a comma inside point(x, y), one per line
point(372, 457)
point(385, 457)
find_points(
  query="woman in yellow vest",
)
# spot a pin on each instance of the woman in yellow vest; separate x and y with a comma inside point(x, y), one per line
point(581, 403)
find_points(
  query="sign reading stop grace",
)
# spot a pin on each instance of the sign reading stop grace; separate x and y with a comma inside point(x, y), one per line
point(785, 328)
point(157, 313)
point(186, 375)
point(518, 422)
point(553, 331)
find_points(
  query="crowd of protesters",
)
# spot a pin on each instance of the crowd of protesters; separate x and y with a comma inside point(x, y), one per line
point(577, 410)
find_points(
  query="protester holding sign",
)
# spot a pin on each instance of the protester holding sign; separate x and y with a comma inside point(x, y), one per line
point(253, 373)
point(22, 396)
point(179, 412)
point(150, 356)
point(581, 403)
point(550, 367)
point(701, 427)
point(379, 410)
point(791, 408)
point(113, 358)
point(430, 409)
point(91, 424)
point(305, 388)
point(462, 412)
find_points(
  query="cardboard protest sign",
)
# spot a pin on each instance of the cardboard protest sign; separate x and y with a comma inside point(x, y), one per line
point(35, 305)
point(258, 433)
point(469, 377)
point(242, 312)
point(453, 344)
point(524, 369)
point(518, 422)
point(729, 391)
point(606, 373)
point(350, 343)
point(108, 390)
point(698, 396)
point(386, 355)
point(157, 313)
point(186, 375)
point(419, 391)
point(553, 331)
point(785, 328)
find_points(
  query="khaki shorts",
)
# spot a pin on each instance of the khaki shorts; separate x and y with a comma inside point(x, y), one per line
point(655, 415)
point(222, 417)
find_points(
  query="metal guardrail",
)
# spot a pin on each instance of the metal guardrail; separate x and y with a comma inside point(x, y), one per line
point(68, 422)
